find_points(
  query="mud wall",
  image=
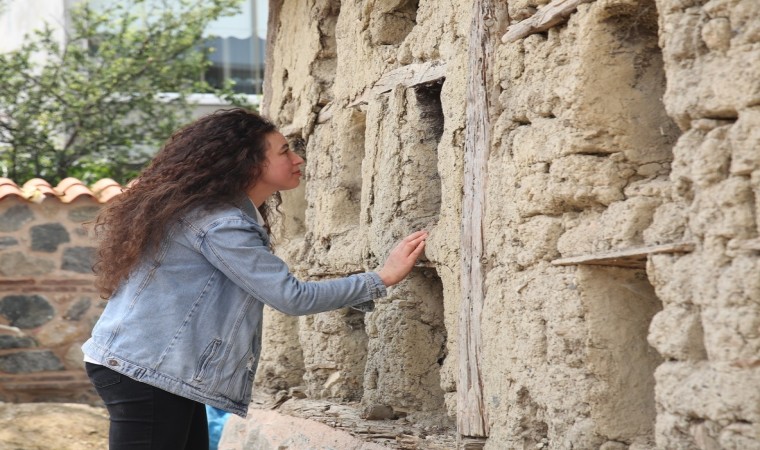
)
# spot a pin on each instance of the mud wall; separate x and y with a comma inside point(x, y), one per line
point(629, 126)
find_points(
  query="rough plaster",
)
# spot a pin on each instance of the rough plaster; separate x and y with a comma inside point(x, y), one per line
point(615, 130)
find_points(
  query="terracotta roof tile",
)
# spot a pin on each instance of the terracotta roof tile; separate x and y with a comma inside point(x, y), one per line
point(69, 189)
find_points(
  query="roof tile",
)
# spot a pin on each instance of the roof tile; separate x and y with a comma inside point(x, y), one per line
point(69, 189)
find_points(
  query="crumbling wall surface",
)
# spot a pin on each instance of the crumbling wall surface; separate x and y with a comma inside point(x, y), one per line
point(632, 125)
point(378, 166)
point(580, 161)
point(707, 390)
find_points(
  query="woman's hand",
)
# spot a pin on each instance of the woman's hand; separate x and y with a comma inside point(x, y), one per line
point(402, 258)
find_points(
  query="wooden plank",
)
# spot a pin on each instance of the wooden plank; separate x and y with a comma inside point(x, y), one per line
point(547, 17)
point(391, 433)
point(326, 113)
point(411, 75)
point(744, 244)
point(472, 417)
point(633, 258)
point(471, 443)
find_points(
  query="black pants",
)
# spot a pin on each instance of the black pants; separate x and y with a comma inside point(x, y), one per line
point(147, 418)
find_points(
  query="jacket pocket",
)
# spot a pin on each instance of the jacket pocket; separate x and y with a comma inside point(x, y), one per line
point(206, 356)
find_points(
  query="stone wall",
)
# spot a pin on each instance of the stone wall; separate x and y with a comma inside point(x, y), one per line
point(631, 125)
point(48, 303)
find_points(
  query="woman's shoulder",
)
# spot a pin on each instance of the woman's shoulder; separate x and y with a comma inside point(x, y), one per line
point(207, 216)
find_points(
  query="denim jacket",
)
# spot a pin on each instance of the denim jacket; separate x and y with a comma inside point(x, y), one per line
point(188, 319)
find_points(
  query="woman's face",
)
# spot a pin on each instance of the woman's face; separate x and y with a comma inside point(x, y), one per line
point(282, 170)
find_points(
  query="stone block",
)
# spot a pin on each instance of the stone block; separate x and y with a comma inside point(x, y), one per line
point(583, 181)
point(623, 223)
point(676, 333)
point(725, 210)
point(26, 311)
point(58, 332)
point(78, 259)
point(83, 213)
point(8, 342)
point(695, 59)
point(47, 237)
point(30, 361)
point(20, 264)
point(7, 241)
point(744, 137)
point(721, 392)
point(14, 217)
point(732, 333)
point(78, 309)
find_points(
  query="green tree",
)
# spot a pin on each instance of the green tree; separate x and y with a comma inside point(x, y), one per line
point(92, 107)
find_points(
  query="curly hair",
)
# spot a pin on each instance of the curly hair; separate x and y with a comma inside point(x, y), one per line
point(210, 161)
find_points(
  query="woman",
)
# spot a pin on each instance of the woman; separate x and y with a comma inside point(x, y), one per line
point(184, 257)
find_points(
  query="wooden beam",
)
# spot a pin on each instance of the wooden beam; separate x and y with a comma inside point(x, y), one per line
point(744, 244)
point(411, 75)
point(632, 258)
point(326, 113)
point(547, 17)
point(472, 417)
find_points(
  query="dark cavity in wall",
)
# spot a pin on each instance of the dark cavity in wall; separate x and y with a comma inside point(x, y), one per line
point(421, 140)
point(324, 67)
point(352, 164)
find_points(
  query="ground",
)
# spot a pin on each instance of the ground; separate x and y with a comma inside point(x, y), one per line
point(45, 426)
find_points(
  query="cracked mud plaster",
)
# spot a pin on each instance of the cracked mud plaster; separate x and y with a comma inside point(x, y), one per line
point(617, 129)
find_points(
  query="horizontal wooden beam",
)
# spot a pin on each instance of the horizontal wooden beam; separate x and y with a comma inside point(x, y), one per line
point(411, 75)
point(547, 17)
point(744, 244)
point(633, 258)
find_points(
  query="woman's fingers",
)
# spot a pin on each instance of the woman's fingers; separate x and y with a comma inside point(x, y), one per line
point(402, 258)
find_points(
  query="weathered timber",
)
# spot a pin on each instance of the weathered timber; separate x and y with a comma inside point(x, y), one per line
point(326, 113)
point(472, 417)
point(398, 434)
point(547, 17)
point(633, 258)
point(744, 244)
point(471, 444)
point(408, 76)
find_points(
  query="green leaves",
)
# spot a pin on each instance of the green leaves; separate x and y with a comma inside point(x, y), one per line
point(91, 107)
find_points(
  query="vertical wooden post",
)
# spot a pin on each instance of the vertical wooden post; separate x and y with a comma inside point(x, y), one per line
point(472, 419)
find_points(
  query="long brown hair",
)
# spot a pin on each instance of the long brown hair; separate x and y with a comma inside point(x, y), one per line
point(213, 160)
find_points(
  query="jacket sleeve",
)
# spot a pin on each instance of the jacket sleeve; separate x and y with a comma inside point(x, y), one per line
point(238, 248)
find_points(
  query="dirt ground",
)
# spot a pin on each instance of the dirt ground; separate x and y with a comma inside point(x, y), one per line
point(52, 426)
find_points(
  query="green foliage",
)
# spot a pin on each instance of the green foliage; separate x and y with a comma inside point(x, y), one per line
point(91, 107)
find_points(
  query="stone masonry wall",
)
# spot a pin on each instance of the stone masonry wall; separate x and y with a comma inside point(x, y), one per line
point(48, 303)
point(631, 125)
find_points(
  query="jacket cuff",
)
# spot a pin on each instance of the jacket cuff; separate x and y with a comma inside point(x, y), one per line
point(375, 288)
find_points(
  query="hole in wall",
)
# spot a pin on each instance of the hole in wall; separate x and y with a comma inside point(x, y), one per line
point(324, 67)
point(425, 122)
point(407, 343)
point(292, 222)
point(352, 165)
point(620, 305)
point(335, 354)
